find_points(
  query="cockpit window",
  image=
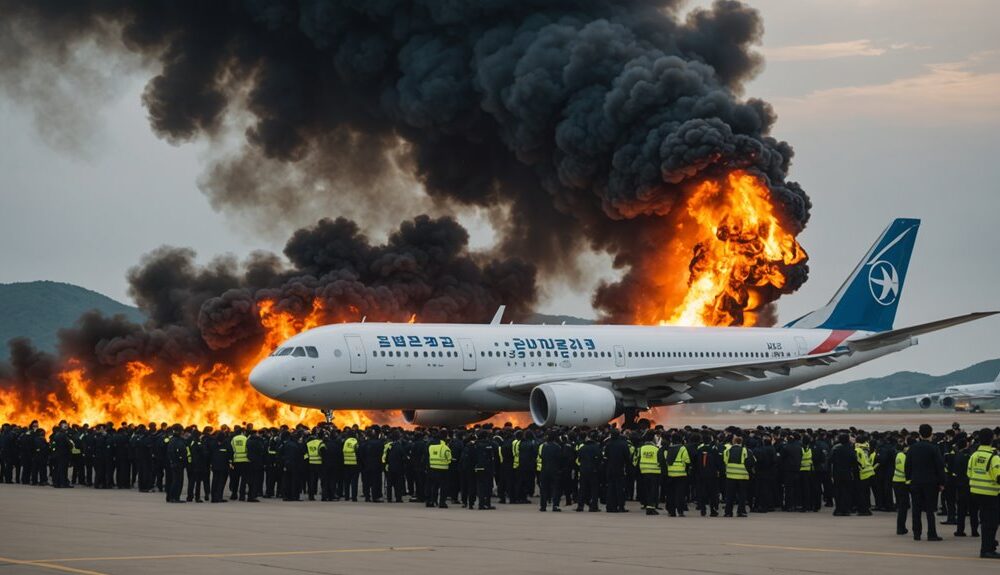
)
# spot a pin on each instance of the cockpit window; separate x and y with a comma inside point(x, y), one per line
point(283, 351)
point(299, 352)
point(311, 351)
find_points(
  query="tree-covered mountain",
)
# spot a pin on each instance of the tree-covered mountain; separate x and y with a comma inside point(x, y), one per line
point(37, 310)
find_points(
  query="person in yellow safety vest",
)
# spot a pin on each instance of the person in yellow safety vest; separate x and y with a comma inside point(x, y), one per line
point(351, 470)
point(517, 489)
point(901, 487)
point(438, 462)
point(237, 480)
point(315, 451)
point(808, 492)
point(738, 461)
point(678, 461)
point(862, 497)
point(651, 468)
point(984, 489)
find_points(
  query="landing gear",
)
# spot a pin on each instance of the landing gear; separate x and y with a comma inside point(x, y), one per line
point(329, 415)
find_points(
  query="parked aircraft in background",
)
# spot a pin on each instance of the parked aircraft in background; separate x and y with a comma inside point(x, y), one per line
point(958, 397)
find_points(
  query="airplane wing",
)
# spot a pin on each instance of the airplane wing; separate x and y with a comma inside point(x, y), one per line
point(934, 395)
point(890, 337)
point(676, 379)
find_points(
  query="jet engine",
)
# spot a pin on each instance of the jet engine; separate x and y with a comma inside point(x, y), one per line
point(924, 402)
point(572, 403)
point(947, 402)
point(448, 417)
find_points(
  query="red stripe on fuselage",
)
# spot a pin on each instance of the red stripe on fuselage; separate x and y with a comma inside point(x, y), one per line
point(832, 341)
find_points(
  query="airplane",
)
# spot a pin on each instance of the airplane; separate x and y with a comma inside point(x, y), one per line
point(754, 408)
point(958, 397)
point(821, 405)
point(458, 374)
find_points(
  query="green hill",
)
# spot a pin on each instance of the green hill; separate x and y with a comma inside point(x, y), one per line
point(37, 310)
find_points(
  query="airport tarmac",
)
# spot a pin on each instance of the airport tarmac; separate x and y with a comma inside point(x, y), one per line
point(83, 531)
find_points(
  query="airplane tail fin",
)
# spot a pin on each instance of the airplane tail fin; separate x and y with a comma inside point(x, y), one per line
point(867, 301)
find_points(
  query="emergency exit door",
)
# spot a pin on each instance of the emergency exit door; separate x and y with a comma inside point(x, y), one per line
point(802, 345)
point(468, 354)
point(619, 356)
point(356, 349)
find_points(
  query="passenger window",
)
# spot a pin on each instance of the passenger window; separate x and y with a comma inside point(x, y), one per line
point(374, 354)
point(311, 351)
point(299, 352)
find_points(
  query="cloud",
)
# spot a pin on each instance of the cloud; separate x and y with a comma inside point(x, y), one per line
point(943, 93)
point(827, 51)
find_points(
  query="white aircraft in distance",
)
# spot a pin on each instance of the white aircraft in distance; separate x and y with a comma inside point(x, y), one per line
point(958, 397)
point(754, 408)
point(821, 405)
point(455, 374)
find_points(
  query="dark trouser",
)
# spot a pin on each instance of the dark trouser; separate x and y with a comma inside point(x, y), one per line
point(548, 487)
point(965, 508)
point(902, 492)
point(219, 484)
point(175, 480)
point(484, 487)
point(588, 490)
point(736, 492)
point(505, 482)
point(60, 477)
point(807, 491)
point(395, 483)
point(290, 489)
point(764, 488)
point(948, 499)
point(924, 497)
point(437, 486)
point(145, 474)
point(989, 508)
point(616, 492)
point(351, 482)
point(793, 497)
point(158, 468)
point(862, 495)
point(373, 484)
point(313, 478)
point(122, 474)
point(195, 478)
point(650, 490)
point(843, 489)
point(272, 480)
point(254, 479)
point(238, 481)
point(467, 479)
point(676, 491)
point(708, 493)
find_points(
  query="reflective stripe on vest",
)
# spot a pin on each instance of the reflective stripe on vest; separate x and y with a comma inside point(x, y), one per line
point(807, 460)
point(864, 461)
point(385, 451)
point(984, 470)
point(736, 469)
point(351, 451)
point(515, 450)
point(439, 456)
point(538, 457)
point(899, 471)
point(648, 460)
point(312, 451)
point(240, 449)
point(678, 467)
point(73, 449)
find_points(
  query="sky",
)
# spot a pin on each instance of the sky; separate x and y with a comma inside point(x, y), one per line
point(893, 107)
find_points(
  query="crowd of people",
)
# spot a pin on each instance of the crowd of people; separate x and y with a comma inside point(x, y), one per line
point(916, 474)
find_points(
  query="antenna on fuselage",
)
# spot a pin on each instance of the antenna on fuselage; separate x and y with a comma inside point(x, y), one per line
point(498, 315)
point(363, 319)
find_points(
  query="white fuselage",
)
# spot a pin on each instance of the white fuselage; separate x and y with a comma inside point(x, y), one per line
point(458, 366)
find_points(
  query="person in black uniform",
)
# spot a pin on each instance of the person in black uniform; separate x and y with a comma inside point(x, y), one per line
point(843, 472)
point(176, 462)
point(197, 470)
point(290, 454)
point(925, 471)
point(589, 457)
point(790, 460)
point(766, 475)
point(256, 453)
point(62, 448)
point(616, 459)
point(485, 456)
point(40, 459)
point(395, 468)
point(218, 450)
point(962, 495)
point(550, 459)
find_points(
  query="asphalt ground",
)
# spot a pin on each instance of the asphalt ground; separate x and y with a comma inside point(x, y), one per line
point(96, 532)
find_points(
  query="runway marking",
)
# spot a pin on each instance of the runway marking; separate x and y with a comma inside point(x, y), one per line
point(222, 555)
point(48, 565)
point(854, 552)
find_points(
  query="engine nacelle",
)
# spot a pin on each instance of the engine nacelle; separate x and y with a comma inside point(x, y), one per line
point(447, 417)
point(572, 403)
point(947, 402)
point(924, 402)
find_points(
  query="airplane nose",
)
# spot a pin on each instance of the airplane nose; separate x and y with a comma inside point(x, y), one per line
point(264, 378)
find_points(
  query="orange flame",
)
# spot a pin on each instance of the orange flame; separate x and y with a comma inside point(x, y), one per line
point(736, 247)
